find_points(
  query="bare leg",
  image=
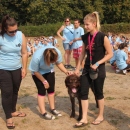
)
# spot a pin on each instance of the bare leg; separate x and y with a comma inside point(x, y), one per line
point(51, 100)
point(84, 110)
point(41, 104)
point(69, 56)
point(66, 57)
point(101, 110)
point(76, 61)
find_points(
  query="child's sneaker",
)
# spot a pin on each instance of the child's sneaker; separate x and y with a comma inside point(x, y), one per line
point(124, 72)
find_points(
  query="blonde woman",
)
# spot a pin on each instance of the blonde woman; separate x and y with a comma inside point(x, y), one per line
point(95, 44)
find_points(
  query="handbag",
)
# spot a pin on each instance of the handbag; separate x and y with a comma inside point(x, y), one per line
point(92, 73)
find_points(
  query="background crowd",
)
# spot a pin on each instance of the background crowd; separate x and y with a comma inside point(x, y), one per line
point(121, 52)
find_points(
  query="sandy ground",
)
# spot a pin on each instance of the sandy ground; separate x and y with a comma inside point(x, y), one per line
point(117, 105)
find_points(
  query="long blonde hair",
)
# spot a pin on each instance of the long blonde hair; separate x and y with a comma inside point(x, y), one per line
point(50, 56)
point(93, 17)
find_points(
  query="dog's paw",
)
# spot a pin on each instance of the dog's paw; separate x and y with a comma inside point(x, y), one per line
point(72, 115)
point(79, 118)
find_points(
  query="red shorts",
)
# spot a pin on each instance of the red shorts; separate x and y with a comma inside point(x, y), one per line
point(77, 52)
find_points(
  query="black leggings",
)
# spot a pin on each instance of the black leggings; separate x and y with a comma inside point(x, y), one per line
point(9, 84)
point(50, 77)
point(97, 87)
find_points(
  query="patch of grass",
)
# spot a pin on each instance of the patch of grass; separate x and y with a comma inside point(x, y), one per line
point(24, 120)
point(57, 93)
point(110, 98)
point(114, 122)
point(126, 98)
point(22, 106)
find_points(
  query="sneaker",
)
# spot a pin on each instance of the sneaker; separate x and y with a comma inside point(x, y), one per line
point(66, 66)
point(70, 67)
point(124, 72)
point(118, 71)
point(73, 68)
point(55, 112)
point(48, 116)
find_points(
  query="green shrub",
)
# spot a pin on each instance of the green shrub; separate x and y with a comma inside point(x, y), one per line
point(51, 29)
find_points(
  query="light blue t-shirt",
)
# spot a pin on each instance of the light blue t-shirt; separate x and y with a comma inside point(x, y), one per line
point(37, 46)
point(78, 32)
point(121, 58)
point(113, 59)
point(37, 63)
point(68, 33)
point(28, 49)
point(10, 51)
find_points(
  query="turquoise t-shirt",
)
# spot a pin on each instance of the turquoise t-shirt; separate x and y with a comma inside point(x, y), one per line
point(113, 59)
point(68, 33)
point(10, 51)
point(37, 63)
point(78, 32)
point(121, 58)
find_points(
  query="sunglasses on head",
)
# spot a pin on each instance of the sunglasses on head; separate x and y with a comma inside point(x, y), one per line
point(66, 21)
point(13, 31)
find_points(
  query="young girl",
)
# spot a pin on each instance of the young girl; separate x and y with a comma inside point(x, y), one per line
point(122, 61)
point(96, 44)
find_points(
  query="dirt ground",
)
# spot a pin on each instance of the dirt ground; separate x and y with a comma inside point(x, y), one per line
point(116, 113)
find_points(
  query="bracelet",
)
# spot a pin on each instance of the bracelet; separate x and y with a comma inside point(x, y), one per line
point(97, 64)
point(44, 82)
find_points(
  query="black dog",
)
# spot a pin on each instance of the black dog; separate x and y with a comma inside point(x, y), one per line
point(72, 82)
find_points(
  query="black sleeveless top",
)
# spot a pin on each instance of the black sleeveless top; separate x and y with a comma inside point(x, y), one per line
point(98, 52)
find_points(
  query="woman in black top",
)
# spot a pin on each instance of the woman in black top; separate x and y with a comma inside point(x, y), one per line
point(98, 45)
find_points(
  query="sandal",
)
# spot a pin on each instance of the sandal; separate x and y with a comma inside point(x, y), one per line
point(97, 122)
point(19, 114)
point(55, 112)
point(11, 125)
point(81, 124)
point(48, 116)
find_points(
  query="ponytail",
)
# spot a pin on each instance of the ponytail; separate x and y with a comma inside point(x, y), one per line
point(94, 17)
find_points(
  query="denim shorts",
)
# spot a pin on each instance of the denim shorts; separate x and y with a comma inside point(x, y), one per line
point(67, 46)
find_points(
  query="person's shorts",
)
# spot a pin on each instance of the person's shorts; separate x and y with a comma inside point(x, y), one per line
point(77, 52)
point(67, 46)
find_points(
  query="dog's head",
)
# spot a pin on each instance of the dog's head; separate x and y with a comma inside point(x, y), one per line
point(72, 82)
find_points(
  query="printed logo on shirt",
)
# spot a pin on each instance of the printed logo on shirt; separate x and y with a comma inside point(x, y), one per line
point(77, 32)
point(18, 45)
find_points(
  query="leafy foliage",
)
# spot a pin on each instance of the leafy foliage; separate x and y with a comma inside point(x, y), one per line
point(37, 12)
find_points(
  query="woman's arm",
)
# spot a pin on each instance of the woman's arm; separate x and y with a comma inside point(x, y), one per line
point(63, 69)
point(59, 31)
point(108, 55)
point(24, 56)
point(42, 79)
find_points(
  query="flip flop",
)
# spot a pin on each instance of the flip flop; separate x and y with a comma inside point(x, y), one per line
point(82, 124)
point(97, 122)
point(20, 114)
point(11, 125)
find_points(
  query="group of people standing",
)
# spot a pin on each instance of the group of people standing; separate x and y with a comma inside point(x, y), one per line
point(13, 46)
point(71, 40)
